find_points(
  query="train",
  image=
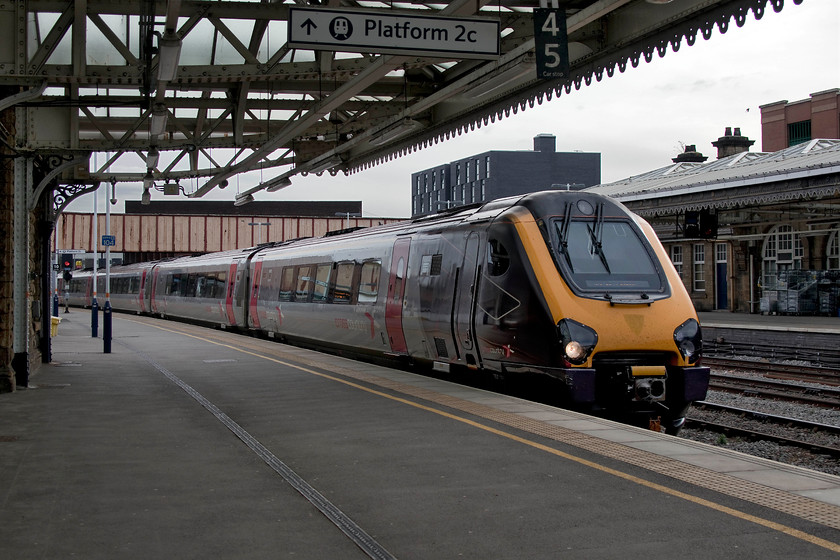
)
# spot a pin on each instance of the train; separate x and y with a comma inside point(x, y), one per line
point(569, 286)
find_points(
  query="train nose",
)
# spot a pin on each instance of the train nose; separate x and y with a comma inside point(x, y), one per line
point(650, 389)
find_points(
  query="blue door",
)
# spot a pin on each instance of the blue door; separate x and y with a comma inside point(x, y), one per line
point(721, 276)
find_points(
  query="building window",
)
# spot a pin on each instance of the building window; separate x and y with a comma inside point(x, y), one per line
point(458, 173)
point(487, 166)
point(799, 132)
point(834, 251)
point(677, 258)
point(699, 267)
point(782, 251)
point(721, 253)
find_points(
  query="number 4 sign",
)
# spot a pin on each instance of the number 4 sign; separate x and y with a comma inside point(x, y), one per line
point(551, 43)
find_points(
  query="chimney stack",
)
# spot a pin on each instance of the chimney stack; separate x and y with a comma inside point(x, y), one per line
point(730, 144)
point(690, 155)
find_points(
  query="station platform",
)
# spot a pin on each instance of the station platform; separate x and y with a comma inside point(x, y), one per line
point(186, 442)
point(799, 323)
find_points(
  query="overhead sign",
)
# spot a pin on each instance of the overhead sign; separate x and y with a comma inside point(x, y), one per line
point(551, 43)
point(386, 32)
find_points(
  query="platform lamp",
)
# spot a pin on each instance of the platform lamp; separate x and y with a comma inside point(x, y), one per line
point(274, 185)
point(169, 51)
point(157, 124)
point(505, 78)
point(399, 129)
point(243, 199)
point(328, 163)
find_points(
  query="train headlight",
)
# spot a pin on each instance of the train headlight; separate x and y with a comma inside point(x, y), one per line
point(689, 340)
point(577, 339)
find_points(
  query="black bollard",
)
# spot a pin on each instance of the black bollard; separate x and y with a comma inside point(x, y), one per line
point(106, 326)
point(94, 319)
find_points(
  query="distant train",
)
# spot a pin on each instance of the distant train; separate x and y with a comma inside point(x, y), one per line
point(568, 284)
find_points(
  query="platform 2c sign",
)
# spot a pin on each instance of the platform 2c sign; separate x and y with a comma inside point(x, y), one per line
point(551, 43)
point(380, 32)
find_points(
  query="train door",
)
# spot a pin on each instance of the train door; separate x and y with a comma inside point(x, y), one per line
point(464, 298)
point(142, 295)
point(396, 291)
point(255, 290)
point(231, 277)
point(153, 304)
point(721, 273)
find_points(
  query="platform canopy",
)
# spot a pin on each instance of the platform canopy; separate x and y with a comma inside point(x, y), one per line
point(205, 90)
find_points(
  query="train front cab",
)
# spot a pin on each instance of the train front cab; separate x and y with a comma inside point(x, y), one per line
point(604, 310)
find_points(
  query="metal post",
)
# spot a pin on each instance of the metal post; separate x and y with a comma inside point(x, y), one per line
point(20, 288)
point(94, 305)
point(106, 312)
point(55, 276)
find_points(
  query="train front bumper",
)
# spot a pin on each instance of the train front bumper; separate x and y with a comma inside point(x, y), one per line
point(683, 384)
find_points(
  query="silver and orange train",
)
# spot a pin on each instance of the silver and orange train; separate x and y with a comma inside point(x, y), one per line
point(567, 284)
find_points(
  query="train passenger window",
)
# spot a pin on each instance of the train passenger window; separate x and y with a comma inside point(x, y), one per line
point(199, 286)
point(498, 260)
point(322, 282)
point(173, 284)
point(287, 284)
point(192, 281)
point(343, 288)
point(221, 281)
point(369, 282)
point(304, 283)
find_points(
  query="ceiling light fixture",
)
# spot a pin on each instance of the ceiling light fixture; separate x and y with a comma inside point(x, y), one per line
point(169, 49)
point(242, 200)
point(396, 130)
point(157, 126)
point(274, 185)
point(152, 158)
point(326, 164)
point(502, 80)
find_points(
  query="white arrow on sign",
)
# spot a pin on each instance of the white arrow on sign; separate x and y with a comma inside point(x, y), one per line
point(364, 31)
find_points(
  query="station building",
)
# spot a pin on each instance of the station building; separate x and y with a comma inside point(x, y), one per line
point(497, 174)
point(750, 232)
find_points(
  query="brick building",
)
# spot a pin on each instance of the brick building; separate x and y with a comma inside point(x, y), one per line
point(785, 124)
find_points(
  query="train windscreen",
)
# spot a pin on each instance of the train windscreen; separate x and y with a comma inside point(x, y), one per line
point(606, 256)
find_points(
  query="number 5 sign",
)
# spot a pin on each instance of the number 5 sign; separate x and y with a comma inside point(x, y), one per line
point(552, 44)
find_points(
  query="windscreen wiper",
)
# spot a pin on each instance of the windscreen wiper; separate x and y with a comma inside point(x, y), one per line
point(564, 235)
point(596, 234)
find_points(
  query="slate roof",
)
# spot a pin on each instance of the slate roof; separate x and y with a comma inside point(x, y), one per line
point(815, 158)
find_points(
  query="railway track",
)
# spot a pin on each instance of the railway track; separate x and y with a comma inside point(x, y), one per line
point(731, 421)
point(808, 374)
point(777, 390)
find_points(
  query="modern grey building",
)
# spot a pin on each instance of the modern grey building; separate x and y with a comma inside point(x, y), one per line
point(498, 174)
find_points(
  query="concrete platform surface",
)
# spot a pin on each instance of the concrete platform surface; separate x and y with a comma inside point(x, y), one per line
point(191, 443)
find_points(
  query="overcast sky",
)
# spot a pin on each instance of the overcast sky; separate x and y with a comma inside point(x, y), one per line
point(637, 120)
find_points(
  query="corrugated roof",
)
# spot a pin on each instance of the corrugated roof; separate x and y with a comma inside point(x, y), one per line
point(817, 157)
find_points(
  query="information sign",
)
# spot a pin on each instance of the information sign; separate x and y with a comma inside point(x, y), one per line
point(109, 240)
point(387, 32)
point(551, 43)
